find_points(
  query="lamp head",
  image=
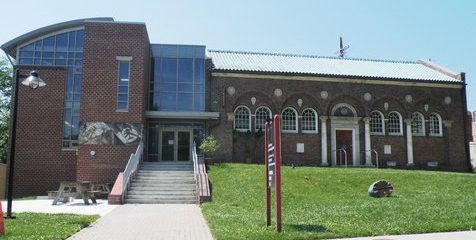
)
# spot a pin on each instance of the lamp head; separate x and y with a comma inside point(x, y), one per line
point(33, 81)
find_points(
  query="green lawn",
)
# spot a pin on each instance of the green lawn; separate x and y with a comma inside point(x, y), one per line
point(45, 226)
point(333, 202)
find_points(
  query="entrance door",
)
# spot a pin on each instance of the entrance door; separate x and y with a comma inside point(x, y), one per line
point(175, 145)
point(344, 142)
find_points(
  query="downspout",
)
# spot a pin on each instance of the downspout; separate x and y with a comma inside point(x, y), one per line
point(465, 120)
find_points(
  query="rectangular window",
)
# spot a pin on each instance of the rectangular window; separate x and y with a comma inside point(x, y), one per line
point(123, 85)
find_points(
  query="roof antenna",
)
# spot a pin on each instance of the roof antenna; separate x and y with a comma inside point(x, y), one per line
point(342, 49)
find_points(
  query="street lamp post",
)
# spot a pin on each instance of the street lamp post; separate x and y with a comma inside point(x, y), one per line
point(34, 82)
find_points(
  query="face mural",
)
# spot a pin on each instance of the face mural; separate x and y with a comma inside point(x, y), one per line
point(110, 133)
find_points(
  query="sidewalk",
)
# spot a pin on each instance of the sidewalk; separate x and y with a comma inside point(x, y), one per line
point(467, 235)
point(44, 206)
point(149, 221)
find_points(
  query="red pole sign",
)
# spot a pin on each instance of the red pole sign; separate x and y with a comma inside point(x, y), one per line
point(277, 153)
point(272, 164)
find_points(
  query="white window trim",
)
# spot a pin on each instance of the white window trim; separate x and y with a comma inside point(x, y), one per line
point(128, 86)
point(440, 126)
point(400, 133)
point(270, 116)
point(249, 119)
point(422, 125)
point(316, 122)
point(297, 121)
point(382, 133)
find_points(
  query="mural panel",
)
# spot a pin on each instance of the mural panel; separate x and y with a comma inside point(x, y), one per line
point(110, 133)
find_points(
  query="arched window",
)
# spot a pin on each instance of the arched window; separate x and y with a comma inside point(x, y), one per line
point(289, 120)
point(376, 123)
point(242, 119)
point(418, 124)
point(435, 125)
point(395, 123)
point(309, 121)
point(261, 114)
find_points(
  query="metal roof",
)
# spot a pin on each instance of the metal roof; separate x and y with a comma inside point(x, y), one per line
point(10, 46)
point(273, 63)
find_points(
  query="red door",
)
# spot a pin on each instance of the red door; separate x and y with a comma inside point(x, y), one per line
point(344, 141)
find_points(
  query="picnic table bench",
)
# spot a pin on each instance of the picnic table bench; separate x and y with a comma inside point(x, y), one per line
point(82, 189)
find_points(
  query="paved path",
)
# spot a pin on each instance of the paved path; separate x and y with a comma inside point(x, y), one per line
point(149, 221)
point(467, 235)
point(44, 206)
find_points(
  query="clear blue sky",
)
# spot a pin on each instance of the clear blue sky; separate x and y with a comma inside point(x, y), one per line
point(444, 31)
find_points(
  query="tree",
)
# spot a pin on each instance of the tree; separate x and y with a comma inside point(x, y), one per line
point(5, 99)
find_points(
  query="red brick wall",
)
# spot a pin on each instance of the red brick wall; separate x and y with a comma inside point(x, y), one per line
point(450, 149)
point(103, 42)
point(40, 164)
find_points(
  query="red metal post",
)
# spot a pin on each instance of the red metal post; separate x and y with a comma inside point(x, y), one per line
point(277, 160)
point(268, 203)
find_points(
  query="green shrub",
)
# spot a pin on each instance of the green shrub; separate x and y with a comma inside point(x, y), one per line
point(209, 146)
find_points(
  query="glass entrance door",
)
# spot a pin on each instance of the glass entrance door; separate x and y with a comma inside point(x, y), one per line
point(175, 145)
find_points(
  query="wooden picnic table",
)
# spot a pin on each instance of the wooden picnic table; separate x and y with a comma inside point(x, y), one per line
point(81, 189)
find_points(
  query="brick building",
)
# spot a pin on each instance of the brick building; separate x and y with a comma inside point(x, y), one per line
point(109, 88)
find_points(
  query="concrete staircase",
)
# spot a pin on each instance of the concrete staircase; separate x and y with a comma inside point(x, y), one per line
point(163, 182)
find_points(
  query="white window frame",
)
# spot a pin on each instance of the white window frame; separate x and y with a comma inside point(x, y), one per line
point(119, 61)
point(422, 118)
point(256, 117)
point(400, 133)
point(296, 121)
point(249, 119)
point(315, 121)
point(440, 125)
point(382, 122)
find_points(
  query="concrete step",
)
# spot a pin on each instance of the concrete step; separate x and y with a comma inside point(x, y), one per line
point(155, 172)
point(163, 177)
point(166, 163)
point(166, 168)
point(162, 185)
point(165, 181)
point(161, 197)
point(162, 192)
point(157, 187)
point(154, 201)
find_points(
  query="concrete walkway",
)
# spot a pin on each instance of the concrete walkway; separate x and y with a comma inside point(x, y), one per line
point(44, 206)
point(149, 221)
point(467, 235)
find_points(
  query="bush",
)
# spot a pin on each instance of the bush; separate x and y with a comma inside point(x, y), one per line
point(209, 146)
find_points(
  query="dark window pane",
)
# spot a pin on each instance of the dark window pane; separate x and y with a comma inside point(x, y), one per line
point(68, 104)
point(185, 88)
point(26, 61)
point(70, 55)
point(199, 102)
point(153, 141)
point(49, 44)
point(76, 104)
point(37, 61)
point(167, 87)
point(154, 102)
point(77, 83)
point(122, 97)
point(48, 54)
point(123, 70)
point(123, 89)
point(70, 62)
point(79, 55)
point(185, 101)
point(122, 105)
point(47, 61)
point(199, 88)
point(154, 87)
point(185, 70)
point(62, 42)
point(78, 62)
point(156, 69)
point(79, 40)
point(61, 55)
point(186, 51)
point(38, 44)
point(77, 96)
point(29, 47)
point(72, 40)
point(199, 71)
point(26, 54)
point(38, 54)
point(167, 101)
point(169, 70)
point(60, 62)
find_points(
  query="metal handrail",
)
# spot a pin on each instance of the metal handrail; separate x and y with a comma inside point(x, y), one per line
point(195, 161)
point(371, 151)
point(340, 158)
point(131, 168)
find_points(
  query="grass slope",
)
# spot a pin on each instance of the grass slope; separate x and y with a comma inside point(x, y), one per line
point(45, 226)
point(333, 202)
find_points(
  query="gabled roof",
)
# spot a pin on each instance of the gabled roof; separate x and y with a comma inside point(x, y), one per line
point(273, 63)
point(10, 46)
